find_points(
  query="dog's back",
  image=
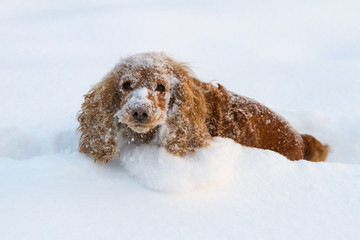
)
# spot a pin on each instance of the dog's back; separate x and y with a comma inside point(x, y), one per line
point(252, 124)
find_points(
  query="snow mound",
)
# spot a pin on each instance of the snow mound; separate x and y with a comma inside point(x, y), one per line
point(19, 143)
point(158, 170)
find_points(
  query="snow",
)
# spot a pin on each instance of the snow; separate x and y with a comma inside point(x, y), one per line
point(161, 171)
point(136, 99)
point(300, 59)
point(140, 94)
point(146, 60)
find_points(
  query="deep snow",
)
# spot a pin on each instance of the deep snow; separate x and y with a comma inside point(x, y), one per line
point(301, 59)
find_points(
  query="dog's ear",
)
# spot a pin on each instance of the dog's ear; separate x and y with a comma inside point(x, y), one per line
point(186, 129)
point(97, 123)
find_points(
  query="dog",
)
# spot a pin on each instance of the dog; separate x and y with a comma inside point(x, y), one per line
point(151, 98)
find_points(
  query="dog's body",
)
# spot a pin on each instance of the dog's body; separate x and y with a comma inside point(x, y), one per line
point(251, 124)
point(151, 98)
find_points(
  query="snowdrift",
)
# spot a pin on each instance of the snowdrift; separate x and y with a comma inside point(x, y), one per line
point(300, 60)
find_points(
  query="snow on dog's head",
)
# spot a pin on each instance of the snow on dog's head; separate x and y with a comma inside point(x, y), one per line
point(144, 86)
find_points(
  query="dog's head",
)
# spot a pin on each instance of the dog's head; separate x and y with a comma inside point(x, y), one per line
point(145, 84)
point(142, 92)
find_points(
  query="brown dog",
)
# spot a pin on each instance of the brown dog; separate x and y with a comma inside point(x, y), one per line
point(151, 98)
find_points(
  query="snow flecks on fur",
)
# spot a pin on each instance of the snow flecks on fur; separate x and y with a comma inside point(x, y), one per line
point(188, 112)
point(266, 115)
point(253, 124)
point(158, 61)
point(143, 72)
point(146, 60)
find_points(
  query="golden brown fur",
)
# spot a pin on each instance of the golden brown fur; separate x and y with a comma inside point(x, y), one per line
point(182, 116)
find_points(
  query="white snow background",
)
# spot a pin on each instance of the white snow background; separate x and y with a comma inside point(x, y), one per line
point(301, 58)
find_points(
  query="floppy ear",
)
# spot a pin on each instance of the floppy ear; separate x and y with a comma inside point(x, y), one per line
point(97, 123)
point(185, 126)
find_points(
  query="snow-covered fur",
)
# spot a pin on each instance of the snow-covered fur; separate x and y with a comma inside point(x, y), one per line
point(150, 98)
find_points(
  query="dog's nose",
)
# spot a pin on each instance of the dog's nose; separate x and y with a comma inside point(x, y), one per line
point(140, 114)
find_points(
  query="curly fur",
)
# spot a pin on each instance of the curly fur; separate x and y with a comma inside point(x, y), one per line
point(183, 117)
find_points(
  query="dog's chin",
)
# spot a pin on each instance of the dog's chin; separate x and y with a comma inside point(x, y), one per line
point(141, 128)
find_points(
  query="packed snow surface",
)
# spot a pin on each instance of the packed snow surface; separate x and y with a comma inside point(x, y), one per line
point(300, 59)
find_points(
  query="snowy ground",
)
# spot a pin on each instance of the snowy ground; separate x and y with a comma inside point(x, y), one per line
point(302, 60)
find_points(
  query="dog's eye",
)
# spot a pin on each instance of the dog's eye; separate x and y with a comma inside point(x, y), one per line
point(160, 88)
point(127, 86)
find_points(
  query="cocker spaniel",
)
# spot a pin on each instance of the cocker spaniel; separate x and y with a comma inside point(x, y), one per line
point(149, 97)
